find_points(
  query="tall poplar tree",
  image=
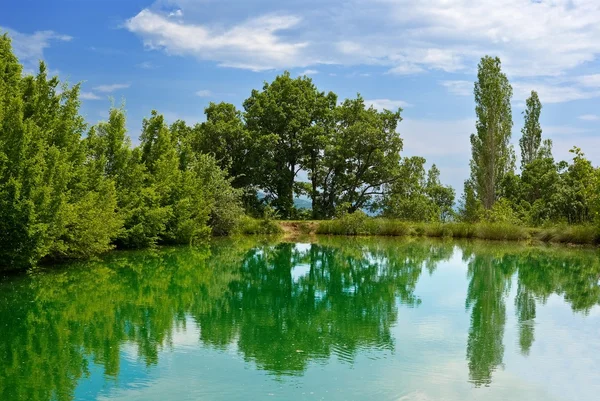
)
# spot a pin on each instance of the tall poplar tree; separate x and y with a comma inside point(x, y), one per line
point(532, 131)
point(492, 155)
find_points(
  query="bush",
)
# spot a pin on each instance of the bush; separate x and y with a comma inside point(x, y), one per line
point(585, 235)
point(394, 228)
point(502, 212)
point(266, 226)
point(501, 231)
point(462, 230)
point(360, 224)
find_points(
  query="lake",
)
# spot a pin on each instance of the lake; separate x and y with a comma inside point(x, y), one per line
point(339, 319)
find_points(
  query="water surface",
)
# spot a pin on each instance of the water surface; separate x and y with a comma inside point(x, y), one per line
point(343, 319)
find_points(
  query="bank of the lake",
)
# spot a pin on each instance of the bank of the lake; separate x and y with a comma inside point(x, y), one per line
point(374, 226)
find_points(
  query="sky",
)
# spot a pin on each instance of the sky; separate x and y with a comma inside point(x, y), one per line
point(177, 56)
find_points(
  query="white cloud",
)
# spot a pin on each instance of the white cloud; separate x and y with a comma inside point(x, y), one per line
point(533, 38)
point(111, 88)
point(89, 96)
point(252, 44)
point(590, 80)
point(355, 74)
point(406, 69)
point(388, 104)
point(29, 48)
point(589, 117)
point(460, 88)
point(309, 72)
point(146, 65)
point(204, 93)
point(565, 90)
point(404, 59)
point(552, 93)
point(177, 13)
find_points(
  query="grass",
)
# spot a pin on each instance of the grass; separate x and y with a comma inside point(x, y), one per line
point(252, 226)
point(582, 234)
point(367, 226)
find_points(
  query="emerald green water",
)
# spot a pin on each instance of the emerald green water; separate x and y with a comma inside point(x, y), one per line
point(343, 319)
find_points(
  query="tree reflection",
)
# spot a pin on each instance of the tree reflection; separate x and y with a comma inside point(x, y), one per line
point(541, 272)
point(281, 305)
point(489, 284)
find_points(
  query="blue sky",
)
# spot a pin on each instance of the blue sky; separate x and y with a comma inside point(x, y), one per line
point(176, 56)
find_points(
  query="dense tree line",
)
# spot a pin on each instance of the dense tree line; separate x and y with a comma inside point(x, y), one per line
point(545, 191)
point(68, 190)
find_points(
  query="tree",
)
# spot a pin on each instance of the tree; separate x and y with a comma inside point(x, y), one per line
point(314, 142)
point(50, 207)
point(442, 196)
point(581, 190)
point(470, 209)
point(361, 159)
point(143, 219)
point(279, 118)
point(225, 137)
point(407, 197)
point(492, 155)
point(540, 183)
point(532, 131)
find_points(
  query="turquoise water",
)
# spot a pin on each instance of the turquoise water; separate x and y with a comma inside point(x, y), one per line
point(341, 319)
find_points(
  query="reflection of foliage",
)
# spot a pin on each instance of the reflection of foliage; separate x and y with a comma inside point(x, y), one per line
point(487, 289)
point(344, 300)
point(541, 273)
point(525, 304)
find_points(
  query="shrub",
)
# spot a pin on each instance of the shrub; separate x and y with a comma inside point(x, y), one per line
point(394, 228)
point(585, 235)
point(265, 226)
point(500, 231)
point(462, 230)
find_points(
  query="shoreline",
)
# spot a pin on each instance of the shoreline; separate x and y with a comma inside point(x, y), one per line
point(307, 231)
point(574, 236)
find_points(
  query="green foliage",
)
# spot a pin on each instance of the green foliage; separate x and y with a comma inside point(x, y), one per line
point(282, 119)
point(225, 137)
point(440, 195)
point(406, 198)
point(415, 197)
point(502, 212)
point(63, 196)
point(532, 131)
point(471, 208)
point(586, 234)
point(362, 158)
point(492, 154)
point(267, 225)
point(49, 205)
point(501, 230)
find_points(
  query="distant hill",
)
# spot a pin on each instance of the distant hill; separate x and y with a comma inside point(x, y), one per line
point(300, 203)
